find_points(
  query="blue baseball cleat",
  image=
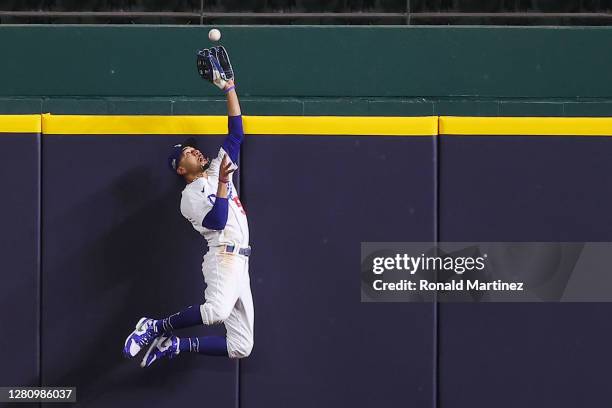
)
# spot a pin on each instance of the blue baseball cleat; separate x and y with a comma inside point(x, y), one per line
point(162, 347)
point(141, 337)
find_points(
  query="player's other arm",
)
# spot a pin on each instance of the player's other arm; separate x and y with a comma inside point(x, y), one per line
point(235, 135)
point(216, 219)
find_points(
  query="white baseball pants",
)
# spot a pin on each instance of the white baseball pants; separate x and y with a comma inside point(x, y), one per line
point(228, 299)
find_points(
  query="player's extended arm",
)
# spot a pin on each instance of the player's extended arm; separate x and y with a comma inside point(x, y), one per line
point(217, 216)
point(235, 135)
point(233, 106)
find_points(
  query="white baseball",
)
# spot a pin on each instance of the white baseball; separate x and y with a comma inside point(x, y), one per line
point(214, 35)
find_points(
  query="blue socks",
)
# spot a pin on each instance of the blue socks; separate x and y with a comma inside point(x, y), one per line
point(187, 318)
point(209, 345)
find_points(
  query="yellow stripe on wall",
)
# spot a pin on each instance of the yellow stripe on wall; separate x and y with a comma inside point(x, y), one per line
point(133, 125)
point(254, 125)
point(341, 125)
point(529, 126)
point(20, 123)
point(306, 125)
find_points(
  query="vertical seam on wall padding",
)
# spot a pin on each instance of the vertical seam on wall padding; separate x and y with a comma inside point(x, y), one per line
point(240, 190)
point(39, 253)
point(39, 257)
point(436, 308)
point(237, 391)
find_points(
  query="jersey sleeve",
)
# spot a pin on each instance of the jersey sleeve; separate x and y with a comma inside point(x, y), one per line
point(234, 138)
point(230, 146)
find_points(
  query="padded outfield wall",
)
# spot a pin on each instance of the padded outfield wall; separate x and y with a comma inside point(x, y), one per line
point(93, 238)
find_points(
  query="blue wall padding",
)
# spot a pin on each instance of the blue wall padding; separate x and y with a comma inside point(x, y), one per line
point(520, 188)
point(19, 289)
point(311, 200)
point(116, 249)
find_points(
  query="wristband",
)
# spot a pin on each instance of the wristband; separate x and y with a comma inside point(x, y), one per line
point(229, 89)
point(223, 180)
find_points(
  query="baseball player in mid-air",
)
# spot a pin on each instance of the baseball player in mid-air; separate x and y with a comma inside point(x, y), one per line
point(209, 201)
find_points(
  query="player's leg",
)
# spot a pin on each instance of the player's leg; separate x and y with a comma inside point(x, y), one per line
point(221, 273)
point(240, 324)
point(239, 328)
point(238, 342)
point(171, 346)
point(147, 329)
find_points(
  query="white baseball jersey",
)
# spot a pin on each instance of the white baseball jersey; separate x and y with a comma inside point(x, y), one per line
point(228, 289)
point(197, 200)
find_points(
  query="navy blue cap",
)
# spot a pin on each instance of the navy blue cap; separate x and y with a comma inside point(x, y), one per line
point(177, 151)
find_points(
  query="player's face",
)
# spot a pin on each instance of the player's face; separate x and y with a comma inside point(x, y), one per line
point(192, 160)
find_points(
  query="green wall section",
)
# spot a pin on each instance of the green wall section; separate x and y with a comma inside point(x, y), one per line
point(290, 61)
